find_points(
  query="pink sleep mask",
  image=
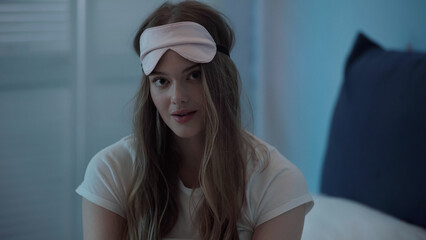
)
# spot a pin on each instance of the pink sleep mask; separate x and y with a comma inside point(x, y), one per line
point(189, 39)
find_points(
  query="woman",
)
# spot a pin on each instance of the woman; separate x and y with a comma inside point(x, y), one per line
point(190, 171)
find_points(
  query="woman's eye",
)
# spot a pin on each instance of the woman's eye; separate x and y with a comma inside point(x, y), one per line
point(195, 75)
point(160, 82)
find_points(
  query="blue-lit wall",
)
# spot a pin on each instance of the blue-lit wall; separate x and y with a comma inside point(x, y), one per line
point(303, 46)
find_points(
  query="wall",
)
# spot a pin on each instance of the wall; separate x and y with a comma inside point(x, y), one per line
point(301, 54)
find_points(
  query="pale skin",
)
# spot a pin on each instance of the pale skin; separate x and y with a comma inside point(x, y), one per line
point(174, 85)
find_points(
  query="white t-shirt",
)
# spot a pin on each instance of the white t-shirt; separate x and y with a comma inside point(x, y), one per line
point(270, 192)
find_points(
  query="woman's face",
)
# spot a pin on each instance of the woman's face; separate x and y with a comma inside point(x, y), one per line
point(177, 91)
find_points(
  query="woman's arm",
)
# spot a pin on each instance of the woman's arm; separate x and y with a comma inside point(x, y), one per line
point(100, 223)
point(288, 226)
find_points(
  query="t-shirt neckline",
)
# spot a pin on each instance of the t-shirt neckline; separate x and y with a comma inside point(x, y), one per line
point(188, 191)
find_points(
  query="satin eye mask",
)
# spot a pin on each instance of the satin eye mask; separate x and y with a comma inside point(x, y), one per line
point(189, 39)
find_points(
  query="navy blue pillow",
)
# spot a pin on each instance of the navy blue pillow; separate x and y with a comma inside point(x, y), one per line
point(376, 152)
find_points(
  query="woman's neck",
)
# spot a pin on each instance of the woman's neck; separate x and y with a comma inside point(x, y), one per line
point(191, 149)
point(191, 153)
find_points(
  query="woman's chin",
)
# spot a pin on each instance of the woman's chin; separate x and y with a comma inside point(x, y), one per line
point(188, 134)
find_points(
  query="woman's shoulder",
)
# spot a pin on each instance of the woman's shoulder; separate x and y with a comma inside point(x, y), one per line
point(115, 160)
point(275, 185)
point(108, 176)
point(263, 156)
point(120, 152)
point(265, 160)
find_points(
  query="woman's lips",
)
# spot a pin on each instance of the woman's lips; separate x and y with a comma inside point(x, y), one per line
point(183, 116)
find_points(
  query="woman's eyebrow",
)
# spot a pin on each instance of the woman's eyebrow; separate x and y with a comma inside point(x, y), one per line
point(190, 67)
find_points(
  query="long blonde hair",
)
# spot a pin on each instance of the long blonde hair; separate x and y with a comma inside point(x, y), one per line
point(152, 203)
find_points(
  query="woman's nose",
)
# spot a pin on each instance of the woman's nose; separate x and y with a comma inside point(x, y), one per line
point(179, 94)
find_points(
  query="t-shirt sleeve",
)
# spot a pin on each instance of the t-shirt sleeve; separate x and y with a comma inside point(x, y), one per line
point(277, 189)
point(107, 178)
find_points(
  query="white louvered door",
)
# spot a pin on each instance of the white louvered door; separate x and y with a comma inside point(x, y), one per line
point(36, 115)
point(67, 76)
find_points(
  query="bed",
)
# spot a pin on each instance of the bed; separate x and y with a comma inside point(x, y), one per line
point(374, 172)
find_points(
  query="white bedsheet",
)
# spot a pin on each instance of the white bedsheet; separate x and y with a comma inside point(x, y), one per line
point(341, 219)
